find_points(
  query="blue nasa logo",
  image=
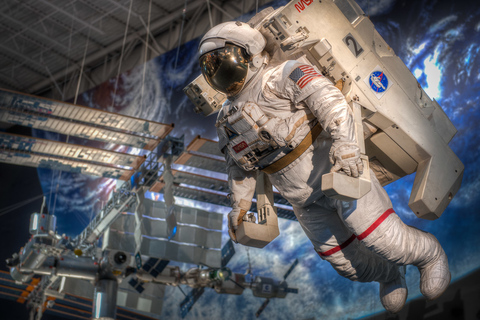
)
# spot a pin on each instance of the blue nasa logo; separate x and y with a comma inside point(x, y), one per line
point(378, 81)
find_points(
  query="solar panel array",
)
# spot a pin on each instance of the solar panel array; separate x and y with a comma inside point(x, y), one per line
point(228, 251)
point(190, 300)
point(76, 121)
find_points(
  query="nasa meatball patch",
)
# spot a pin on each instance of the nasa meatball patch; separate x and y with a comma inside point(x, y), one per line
point(378, 81)
point(303, 75)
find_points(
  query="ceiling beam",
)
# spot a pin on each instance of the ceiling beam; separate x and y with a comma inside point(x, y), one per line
point(221, 9)
point(57, 22)
point(158, 24)
point(156, 45)
point(10, 81)
point(45, 49)
point(32, 30)
point(71, 16)
point(30, 66)
point(124, 8)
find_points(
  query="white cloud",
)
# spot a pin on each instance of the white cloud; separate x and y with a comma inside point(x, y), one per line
point(434, 72)
point(442, 23)
point(376, 7)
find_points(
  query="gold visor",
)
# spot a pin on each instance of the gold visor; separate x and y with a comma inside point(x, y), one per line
point(225, 69)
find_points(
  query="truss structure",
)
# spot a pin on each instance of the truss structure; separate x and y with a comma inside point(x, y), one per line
point(199, 174)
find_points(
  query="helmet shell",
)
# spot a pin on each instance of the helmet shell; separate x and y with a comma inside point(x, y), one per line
point(236, 32)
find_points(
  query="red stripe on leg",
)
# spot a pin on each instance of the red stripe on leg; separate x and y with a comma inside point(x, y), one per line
point(360, 237)
point(337, 248)
point(375, 224)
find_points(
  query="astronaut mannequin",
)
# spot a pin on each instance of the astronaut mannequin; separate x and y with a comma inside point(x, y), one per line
point(363, 240)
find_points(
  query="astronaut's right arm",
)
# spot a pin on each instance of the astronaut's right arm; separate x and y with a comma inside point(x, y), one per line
point(242, 188)
point(331, 109)
point(304, 85)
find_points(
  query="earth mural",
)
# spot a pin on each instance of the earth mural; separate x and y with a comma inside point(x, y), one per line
point(439, 41)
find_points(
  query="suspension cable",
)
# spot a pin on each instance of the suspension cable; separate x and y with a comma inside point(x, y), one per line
point(81, 68)
point(145, 57)
point(181, 34)
point(210, 13)
point(56, 193)
point(50, 192)
point(68, 61)
point(122, 52)
point(20, 204)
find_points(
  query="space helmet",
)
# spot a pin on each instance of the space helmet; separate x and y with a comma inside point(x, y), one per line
point(231, 55)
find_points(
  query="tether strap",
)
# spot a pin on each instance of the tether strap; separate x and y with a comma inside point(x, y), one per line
point(295, 153)
point(240, 216)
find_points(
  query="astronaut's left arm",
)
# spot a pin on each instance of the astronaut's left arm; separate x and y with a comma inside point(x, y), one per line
point(335, 116)
point(242, 187)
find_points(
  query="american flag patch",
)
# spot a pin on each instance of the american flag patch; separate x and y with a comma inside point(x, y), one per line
point(303, 75)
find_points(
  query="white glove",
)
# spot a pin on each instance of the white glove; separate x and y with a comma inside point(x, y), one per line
point(234, 217)
point(346, 157)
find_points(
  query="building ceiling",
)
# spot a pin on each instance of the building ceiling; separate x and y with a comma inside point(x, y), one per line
point(47, 46)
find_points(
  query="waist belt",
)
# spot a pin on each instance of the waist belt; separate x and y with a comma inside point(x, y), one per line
point(295, 153)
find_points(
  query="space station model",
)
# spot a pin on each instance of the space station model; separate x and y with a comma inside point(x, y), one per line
point(399, 128)
point(73, 276)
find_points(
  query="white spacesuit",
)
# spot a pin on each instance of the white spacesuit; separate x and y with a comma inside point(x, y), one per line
point(273, 113)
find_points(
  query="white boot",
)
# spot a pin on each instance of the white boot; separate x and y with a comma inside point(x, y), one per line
point(403, 245)
point(435, 277)
point(393, 294)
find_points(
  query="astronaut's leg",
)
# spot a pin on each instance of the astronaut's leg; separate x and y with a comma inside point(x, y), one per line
point(336, 244)
point(378, 227)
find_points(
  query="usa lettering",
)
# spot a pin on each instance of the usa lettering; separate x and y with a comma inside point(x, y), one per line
point(300, 5)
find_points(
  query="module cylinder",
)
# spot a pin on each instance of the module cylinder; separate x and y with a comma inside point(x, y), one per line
point(105, 299)
point(17, 275)
point(78, 267)
point(32, 259)
point(42, 223)
point(33, 256)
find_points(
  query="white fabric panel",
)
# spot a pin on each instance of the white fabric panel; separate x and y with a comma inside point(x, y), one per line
point(121, 298)
point(144, 304)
